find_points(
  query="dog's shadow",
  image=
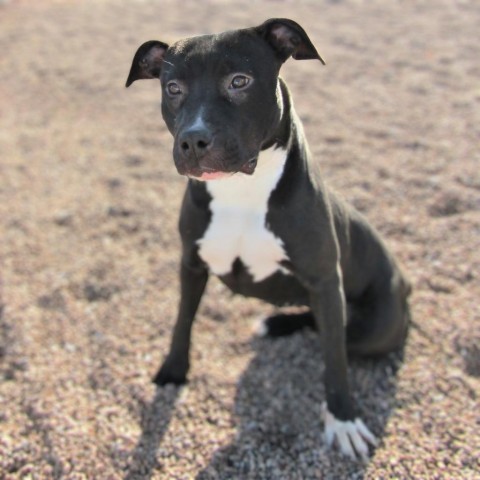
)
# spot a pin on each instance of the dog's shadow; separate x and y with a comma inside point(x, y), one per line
point(278, 410)
point(154, 423)
point(278, 414)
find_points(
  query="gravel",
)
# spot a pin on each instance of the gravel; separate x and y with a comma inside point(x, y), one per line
point(89, 200)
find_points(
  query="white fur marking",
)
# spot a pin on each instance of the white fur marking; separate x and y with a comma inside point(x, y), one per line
point(352, 437)
point(259, 327)
point(198, 123)
point(237, 228)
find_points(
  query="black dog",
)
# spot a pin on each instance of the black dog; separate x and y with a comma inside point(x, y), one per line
point(256, 212)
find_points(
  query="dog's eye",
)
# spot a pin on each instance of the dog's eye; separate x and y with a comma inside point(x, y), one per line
point(173, 88)
point(239, 81)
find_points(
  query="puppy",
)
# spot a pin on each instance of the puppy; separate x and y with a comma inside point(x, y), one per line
point(257, 214)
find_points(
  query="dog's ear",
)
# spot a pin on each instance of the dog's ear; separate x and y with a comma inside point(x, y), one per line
point(147, 62)
point(288, 39)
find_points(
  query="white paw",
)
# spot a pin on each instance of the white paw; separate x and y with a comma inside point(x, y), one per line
point(352, 437)
point(259, 327)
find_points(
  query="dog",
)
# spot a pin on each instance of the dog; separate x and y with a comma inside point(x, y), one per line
point(257, 214)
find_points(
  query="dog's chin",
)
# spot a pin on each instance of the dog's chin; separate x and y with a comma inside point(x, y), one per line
point(248, 168)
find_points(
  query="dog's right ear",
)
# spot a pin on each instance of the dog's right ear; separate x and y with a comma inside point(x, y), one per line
point(147, 62)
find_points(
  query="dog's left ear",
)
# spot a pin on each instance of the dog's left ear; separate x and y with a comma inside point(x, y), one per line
point(147, 62)
point(288, 39)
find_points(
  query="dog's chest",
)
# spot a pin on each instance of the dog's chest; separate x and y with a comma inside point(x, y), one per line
point(238, 226)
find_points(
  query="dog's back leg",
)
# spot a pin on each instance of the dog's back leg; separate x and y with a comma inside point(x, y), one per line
point(380, 323)
point(284, 324)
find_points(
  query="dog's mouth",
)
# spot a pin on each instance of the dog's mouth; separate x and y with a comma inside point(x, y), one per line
point(205, 173)
point(204, 176)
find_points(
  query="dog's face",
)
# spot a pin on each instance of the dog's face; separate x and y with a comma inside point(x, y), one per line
point(221, 98)
point(219, 104)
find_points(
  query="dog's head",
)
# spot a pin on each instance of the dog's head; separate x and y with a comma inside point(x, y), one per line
point(221, 98)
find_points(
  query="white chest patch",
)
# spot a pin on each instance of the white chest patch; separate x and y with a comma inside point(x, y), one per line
point(238, 226)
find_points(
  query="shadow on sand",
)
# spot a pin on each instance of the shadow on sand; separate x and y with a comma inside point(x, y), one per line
point(278, 413)
point(278, 410)
point(154, 423)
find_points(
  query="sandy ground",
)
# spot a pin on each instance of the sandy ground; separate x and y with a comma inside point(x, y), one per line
point(89, 201)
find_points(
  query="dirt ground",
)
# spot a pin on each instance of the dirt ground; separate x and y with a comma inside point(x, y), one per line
point(89, 248)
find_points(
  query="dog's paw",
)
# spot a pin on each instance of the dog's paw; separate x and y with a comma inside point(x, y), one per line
point(171, 371)
point(283, 324)
point(352, 437)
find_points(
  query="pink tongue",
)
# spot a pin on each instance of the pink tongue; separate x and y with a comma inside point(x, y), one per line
point(213, 175)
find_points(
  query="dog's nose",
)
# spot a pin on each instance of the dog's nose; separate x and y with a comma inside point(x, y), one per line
point(195, 143)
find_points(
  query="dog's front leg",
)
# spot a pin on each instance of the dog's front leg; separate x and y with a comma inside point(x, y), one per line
point(193, 280)
point(327, 301)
